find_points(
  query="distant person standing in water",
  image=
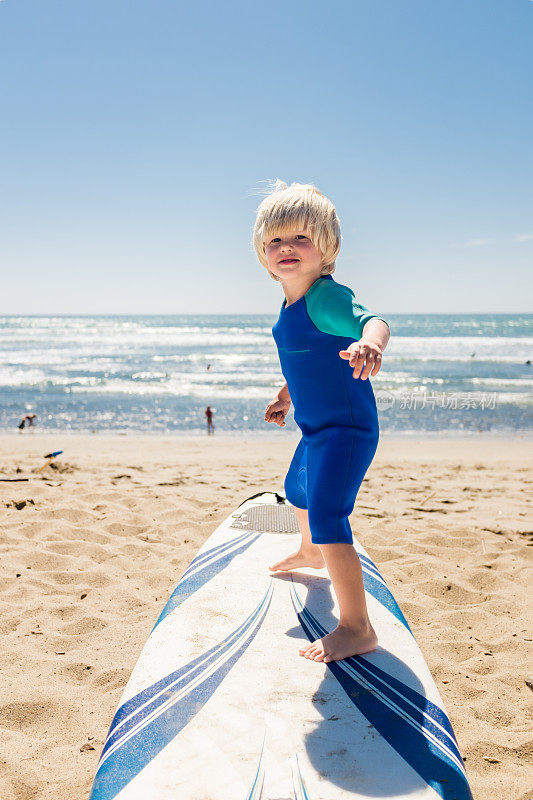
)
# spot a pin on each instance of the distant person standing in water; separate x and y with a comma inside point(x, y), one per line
point(209, 417)
point(27, 418)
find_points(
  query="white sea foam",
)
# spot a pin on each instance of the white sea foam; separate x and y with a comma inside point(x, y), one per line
point(460, 349)
point(123, 370)
point(182, 389)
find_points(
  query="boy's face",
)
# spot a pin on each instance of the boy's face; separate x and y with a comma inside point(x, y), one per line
point(292, 253)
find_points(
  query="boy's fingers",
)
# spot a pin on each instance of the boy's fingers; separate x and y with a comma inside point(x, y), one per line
point(357, 362)
point(364, 362)
point(348, 354)
point(362, 368)
point(368, 366)
point(369, 362)
point(377, 365)
point(355, 355)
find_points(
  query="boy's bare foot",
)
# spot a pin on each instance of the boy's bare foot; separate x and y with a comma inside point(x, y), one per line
point(341, 643)
point(302, 558)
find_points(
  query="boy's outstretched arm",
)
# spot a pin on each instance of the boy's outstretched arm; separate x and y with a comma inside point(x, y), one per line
point(365, 354)
point(377, 331)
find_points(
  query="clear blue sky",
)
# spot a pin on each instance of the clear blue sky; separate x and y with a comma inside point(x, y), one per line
point(135, 136)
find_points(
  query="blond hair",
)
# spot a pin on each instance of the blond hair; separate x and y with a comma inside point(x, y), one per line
point(299, 206)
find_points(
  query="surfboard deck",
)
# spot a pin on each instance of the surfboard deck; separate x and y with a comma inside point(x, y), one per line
point(220, 706)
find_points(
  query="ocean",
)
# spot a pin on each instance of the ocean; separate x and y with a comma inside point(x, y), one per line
point(441, 373)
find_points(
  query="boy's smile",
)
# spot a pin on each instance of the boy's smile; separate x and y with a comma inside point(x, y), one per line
point(288, 261)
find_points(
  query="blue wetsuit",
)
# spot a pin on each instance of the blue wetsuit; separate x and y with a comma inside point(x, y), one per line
point(335, 412)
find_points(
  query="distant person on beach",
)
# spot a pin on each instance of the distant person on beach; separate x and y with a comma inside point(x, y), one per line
point(27, 418)
point(321, 326)
point(209, 417)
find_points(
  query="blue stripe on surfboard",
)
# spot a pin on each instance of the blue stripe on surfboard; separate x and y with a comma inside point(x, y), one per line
point(300, 790)
point(258, 786)
point(129, 715)
point(143, 726)
point(376, 585)
point(369, 564)
point(416, 728)
point(141, 705)
point(256, 792)
point(217, 550)
point(398, 690)
point(204, 567)
point(379, 589)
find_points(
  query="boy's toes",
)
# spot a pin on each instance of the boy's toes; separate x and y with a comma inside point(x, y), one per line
point(306, 651)
point(317, 651)
point(314, 651)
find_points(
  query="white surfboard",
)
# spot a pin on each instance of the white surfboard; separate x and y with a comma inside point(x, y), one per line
point(220, 706)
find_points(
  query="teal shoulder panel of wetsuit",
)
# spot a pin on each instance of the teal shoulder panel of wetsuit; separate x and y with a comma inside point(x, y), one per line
point(333, 309)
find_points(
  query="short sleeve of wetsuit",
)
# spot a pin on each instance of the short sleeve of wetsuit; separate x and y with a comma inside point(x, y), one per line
point(333, 309)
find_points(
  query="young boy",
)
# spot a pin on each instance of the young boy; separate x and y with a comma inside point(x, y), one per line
point(320, 328)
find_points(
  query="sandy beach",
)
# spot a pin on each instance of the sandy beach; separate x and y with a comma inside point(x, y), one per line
point(92, 546)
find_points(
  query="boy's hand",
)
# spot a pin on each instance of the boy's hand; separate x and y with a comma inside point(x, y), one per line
point(363, 355)
point(277, 411)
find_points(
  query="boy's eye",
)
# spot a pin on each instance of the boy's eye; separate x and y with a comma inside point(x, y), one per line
point(278, 239)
